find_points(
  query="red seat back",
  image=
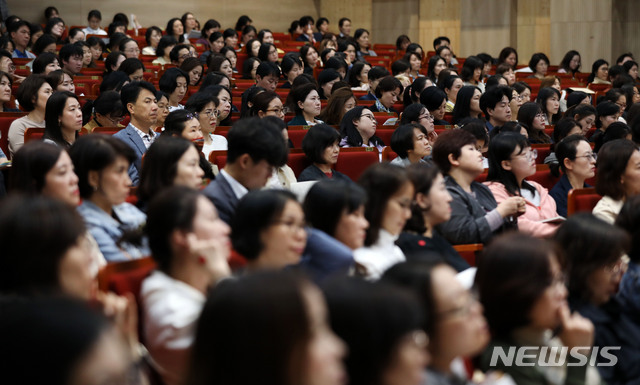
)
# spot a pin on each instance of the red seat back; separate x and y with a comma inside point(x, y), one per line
point(545, 178)
point(582, 200)
point(353, 161)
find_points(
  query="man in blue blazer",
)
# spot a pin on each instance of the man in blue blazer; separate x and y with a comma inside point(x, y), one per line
point(255, 147)
point(139, 98)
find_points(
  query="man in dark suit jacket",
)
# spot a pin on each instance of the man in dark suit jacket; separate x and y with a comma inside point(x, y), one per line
point(139, 98)
point(255, 147)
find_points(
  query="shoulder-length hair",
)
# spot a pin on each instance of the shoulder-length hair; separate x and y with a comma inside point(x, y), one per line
point(500, 148)
point(348, 129)
point(54, 110)
point(612, 162)
point(328, 200)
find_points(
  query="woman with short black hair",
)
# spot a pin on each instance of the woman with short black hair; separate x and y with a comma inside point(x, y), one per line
point(321, 146)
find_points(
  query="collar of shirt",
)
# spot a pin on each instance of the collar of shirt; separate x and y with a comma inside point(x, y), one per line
point(147, 139)
point(238, 189)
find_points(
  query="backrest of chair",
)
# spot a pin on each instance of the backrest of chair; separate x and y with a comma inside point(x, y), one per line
point(353, 163)
point(545, 178)
point(125, 277)
point(33, 133)
point(582, 200)
point(298, 162)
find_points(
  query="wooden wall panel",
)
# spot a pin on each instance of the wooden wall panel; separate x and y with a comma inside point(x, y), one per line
point(392, 18)
point(359, 11)
point(625, 29)
point(485, 26)
point(533, 28)
point(439, 18)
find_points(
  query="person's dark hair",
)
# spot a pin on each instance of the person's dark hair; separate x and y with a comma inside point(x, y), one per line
point(54, 110)
point(30, 165)
point(381, 181)
point(493, 96)
point(566, 149)
point(69, 50)
point(189, 64)
point(215, 62)
point(450, 142)
point(299, 94)
point(113, 35)
point(114, 41)
point(175, 122)
point(260, 139)
point(248, 29)
point(121, 18)
point(131, 65)
point(27, 93)
point(164, 43)
point(263, 52)
point(431, 66)
point(349, 130)
point(242, 21)
point(289, 60)
point(229, 32)
point(255, 212)
point(268, 68)
point(111, 61)
point(624, 56)
point(50, 24)
point(41, 62)
point(605, 108)
point(507, 127)
point(64, 330)
point(107, 103)
point(73, 32)
point(448, 82)
point(274, 321)
point(401, 40)
point(174, 54)
point(160, 167)
point(150, 30)
point(422, 176)
point(114, 81)
point(328, 200)
point(336, 62)
point(169, 29)
point(399, 67)
point(581, 111)
point(247, 98)
point(506, 263)
point(520, 87)
point(494, 81)
point(320, 21)
point(629, 220)
point(248, 47)
point(412, 92)
point(211, 23)
point(612, 95)
point(261, 34)
point(612, 162)
point(432, 98)
point(477, 128)
point(49, 12)
point(131, 91)
point(169, 80)
point(616, 130)
point(545, 94)
point(198, 101)
point(324, 77)
point(402, 138)
point(122, 44)
point(261, 102)
point(317, 139)
point(501, 148)
point(588, 243)
point(377, 72)
point(355, 71)
point(562, 128)
point(566, 61)
point(411, 113)
point(247, 66)
point(172, 208)
point(213, 79)
point(594, 69)
point(414, 47)
point(43, 42)
point(372, 319)
point(536, 58)
point(29, 267)
point(334, 111)
point(462, 109)
point(468, 68)
point(94, 153)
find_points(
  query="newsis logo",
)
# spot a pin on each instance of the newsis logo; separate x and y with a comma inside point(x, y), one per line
point(554, 356)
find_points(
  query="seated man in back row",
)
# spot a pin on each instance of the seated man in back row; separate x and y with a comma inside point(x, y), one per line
point(255, 148)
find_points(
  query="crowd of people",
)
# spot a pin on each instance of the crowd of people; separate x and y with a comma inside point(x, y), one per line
point(338, 279)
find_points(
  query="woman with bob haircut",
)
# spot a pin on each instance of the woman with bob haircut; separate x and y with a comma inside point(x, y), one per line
point(358, 76)
point(467, 104)
point(361, 37)
point(415, 61)
point(291, 66)
point(511, 160)
point(306, 105)
point(417, 113)
point(451, 86)
point(102, 163)
point(618, 177)
point(190, 245)
point(336, 207)
point(549, 100)
point(432, 206)
point(532, 117)
point(412, 92)
point(436, 101)
point(206, 107)
point(194, 69)
point(382, 326)
point(152, 37)
point(390, 195)
point(526, 315)
point(45, 63)
point(163, 50)
point(607, 113)
point(509, 56)
point(170, 161)
point(577, 161)
point(249, 68)
point(387, 93)
point(175, 83)
point(105, 111)
point(455, 327)
point(592, 261)
point(570, 63)
point(539, 64)
point(475, 214)
point(321, 147)
point(63, 119)
point(599, 72)
point(434, 66)
point(268, 229)
point(283, 319)
point(358, 129)
point(341, 101)
point(411, 143)
point(267, 103)
point(175, 29)
point(471, 73)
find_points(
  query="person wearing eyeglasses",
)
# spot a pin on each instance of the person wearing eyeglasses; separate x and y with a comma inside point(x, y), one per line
point(358, 129)
point(533, 118)
point(206, 106)
point(511, 160)
point(106, 111)
point(577, 161)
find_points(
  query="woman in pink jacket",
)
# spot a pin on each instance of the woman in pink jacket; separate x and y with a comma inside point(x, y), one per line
point(511, 160)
